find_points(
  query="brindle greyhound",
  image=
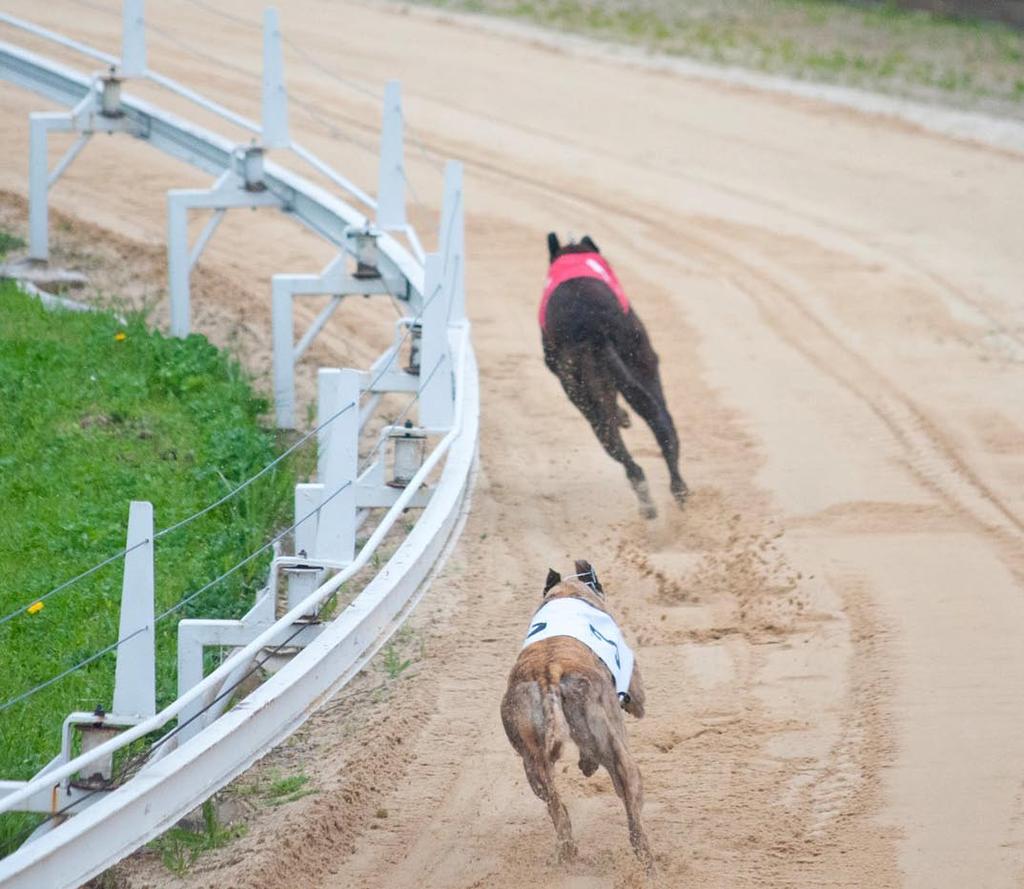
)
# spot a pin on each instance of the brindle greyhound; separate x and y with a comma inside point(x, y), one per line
point(559, 686)
point(597, 347)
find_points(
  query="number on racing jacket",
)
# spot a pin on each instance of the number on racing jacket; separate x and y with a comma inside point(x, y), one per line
point(536, 628)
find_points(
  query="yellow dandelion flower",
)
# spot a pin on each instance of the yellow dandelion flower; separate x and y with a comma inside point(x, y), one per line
point(120, 336)
point(35, 608)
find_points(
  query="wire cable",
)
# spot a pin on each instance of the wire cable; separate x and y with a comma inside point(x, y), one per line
point(186, 47)
point(86, 661)
point(186, 521)
point(133, 765)
point(234, 492)
point(169, 611)
point(227, 16)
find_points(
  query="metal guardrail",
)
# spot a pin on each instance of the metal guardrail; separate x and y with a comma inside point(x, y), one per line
point(158, 796)
point(167, 787)
point(318, 210)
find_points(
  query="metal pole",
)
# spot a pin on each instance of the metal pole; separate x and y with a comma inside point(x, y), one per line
point(135, 675)
point(453, 248)
point(65, 161)
point(391, 175)
point(133, 39)
point(283, 338)
point(274, 115)
point(337, 462)
point(436, 408)
point(38, 185)
point(307, 499)
point(204, 237)
point(178, 264)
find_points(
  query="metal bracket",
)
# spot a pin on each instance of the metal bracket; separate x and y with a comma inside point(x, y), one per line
point(241, 186)
point(336, 281)
point(98, 112)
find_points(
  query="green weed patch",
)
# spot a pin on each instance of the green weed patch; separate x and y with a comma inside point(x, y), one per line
point(179, 848)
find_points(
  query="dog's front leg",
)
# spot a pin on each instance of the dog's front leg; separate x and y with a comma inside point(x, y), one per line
point(634, 702)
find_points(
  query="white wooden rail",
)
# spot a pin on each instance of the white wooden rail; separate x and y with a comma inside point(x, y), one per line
point(212, 744)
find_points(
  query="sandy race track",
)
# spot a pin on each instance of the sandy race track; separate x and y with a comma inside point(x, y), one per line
point(831, 632)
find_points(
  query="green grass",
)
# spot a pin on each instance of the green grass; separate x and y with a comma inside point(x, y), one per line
point(393, 663)
point(9, 242)
point(287, 790)
point(95, 414)
point(179, 848)
point(273, 789)
point(873, 45)
point(392, 657)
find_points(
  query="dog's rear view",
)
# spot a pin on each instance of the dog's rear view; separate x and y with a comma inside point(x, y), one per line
point(561, 687)
point(596, 345)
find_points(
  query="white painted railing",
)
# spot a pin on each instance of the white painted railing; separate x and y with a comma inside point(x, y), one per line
point(209, 746)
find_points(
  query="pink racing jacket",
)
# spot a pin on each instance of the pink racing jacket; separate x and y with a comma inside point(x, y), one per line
point(579, 265)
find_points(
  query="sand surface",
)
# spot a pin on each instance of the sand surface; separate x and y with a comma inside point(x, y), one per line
point(830, 632)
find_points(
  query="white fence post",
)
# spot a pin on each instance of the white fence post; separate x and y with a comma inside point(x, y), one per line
point(40, 125)
point(275, 97)
point(391, 175)
point(38, 173)
point(135, 674)
point(283, 341)
point(337, 463)
point(452, 247)
point(178, 265)
point(307, 501)
point(437, 408)
point(133, 39)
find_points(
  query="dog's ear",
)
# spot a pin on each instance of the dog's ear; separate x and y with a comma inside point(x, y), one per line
point(588, 242)
point(553, 245)
point(553, 578)
point(588, 575)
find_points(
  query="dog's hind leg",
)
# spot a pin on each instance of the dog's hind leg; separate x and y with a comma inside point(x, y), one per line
point(608, 433)
point(637, 378)
point(534, 727)
point(575, 705)
point(539, 774)
point(629, 786)
point(593, 392)
point(597, 729)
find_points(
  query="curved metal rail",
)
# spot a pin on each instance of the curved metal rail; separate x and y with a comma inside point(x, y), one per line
point(169, 786)
point(314, 207)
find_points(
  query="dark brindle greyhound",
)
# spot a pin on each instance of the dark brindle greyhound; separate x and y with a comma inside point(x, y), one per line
point(597, 347)
point(561, 688)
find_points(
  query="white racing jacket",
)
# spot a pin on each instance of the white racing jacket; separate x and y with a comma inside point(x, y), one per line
point(591, 626)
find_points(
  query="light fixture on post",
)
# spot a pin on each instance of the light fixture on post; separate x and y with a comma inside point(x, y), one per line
point(410, 446)
point(415, 344)
point(92, 735)
point(110, 95)
point(252, 168)
point(365, 252)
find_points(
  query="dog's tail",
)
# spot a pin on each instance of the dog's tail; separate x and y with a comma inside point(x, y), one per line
point(556, 730)
point(634, 391)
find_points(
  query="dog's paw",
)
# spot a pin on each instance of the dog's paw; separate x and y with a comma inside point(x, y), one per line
point(624, 419)
point(681, 493)
point(643, 494)
point(588, 766)
point(634, 709)
point(567, 852)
